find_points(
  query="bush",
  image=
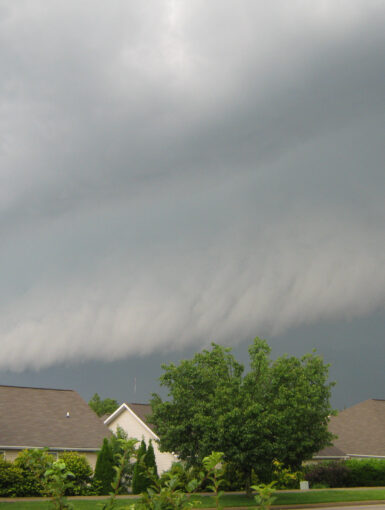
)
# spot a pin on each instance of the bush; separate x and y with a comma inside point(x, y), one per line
point(365, 472)
point(347, 473)
point(140, 480)
point(150, 459)
point(184, 475)
point(330, 473)
point(234, 478)
point(118, 442)
point(104, 469)
point(11, 479)
point(284, 478)
point(33, 463)
point(79, 466)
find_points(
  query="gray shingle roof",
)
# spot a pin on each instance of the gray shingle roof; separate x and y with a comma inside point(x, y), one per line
point(360, 429)
point(37, 417)
point(143, 411)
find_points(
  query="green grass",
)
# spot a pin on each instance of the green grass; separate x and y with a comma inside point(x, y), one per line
point(46, 505)
point(299, 498)
point(284, 498)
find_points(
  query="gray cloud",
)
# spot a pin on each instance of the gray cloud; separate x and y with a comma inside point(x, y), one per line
point(175, 172)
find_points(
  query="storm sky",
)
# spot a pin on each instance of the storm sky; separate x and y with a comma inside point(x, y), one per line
point(179, 172)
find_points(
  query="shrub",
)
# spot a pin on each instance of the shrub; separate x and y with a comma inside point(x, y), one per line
point(118, 443)
point(57, 482)
point(104, 469)
point(150, 459)
point(183, 474)
point(33, 463)
point(79, 466)
point(11, 479)
point(140, 480)
point(348, 473)
point(285, 478)
point(234, 478)
point(331, 473)
point(365, 472)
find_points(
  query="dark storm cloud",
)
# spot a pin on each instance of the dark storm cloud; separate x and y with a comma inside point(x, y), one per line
point(177, 172)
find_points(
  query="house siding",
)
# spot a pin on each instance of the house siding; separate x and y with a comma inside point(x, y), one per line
point(134, 428)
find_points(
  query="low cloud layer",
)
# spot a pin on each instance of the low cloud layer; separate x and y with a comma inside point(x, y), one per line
point(174, 173)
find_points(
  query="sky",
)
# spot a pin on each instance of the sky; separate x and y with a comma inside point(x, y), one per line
point(174, 173)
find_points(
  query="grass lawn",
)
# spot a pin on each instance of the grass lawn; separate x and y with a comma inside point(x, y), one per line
point(299, 498)
point(283, 498)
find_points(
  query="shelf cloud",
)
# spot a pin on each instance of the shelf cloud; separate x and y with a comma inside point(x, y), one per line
point(175, 173)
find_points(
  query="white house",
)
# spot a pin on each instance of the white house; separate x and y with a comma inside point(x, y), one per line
point(133, 419)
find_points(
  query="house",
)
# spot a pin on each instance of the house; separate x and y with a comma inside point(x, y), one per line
point(44, 417)
point(134, 419)
point(360, 432)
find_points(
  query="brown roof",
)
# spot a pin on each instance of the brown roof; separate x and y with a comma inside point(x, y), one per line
point(360, 429)
point(37, 417)
point(143, 411)
point(330, 452)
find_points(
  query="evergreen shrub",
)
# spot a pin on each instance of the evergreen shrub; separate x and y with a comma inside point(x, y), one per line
point(150, 459)
point(104, 469)
point(140, 480)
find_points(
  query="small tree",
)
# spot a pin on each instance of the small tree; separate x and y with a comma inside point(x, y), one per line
point(57, 482)
point(127, 451)
point(104, 469)
point(140, 480)
point(150, 459)
point(215, 470)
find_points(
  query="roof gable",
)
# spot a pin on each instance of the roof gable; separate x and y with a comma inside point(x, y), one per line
point(141, 412)
point(37, 417)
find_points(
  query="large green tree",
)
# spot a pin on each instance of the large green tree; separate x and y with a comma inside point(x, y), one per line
point(277, 410)
point(103, 406)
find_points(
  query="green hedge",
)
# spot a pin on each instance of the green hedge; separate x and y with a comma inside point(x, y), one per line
point(347, 473)
point(366, 472)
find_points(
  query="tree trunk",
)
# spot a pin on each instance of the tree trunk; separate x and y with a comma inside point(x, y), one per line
point(248, 483)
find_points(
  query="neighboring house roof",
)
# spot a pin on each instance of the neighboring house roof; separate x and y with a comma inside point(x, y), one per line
point(360, 430)
point(144, 412)
point(37, 417)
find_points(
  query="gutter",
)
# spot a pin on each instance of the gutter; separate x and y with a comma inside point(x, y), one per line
point(56, 448)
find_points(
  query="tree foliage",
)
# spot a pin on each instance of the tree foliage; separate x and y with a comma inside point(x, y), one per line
point(278, 410)
point(103, 406)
